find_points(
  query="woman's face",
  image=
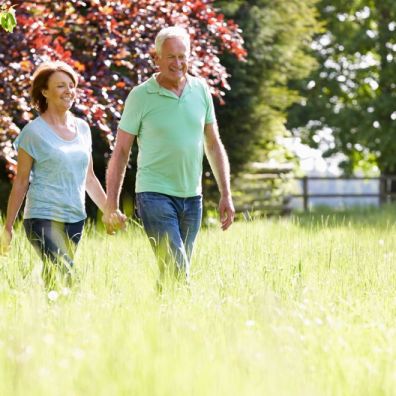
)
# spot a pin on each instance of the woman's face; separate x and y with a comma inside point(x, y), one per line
point(61, 91)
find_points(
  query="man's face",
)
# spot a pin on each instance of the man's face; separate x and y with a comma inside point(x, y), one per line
point(173, 61)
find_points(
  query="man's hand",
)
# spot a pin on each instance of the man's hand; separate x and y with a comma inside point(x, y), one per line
point(227, 212)
point(114, 221)
point(5, 241)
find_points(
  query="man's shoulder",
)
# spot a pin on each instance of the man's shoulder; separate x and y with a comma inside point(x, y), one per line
point(197, 81)
point(199, 84)
point(142, 88)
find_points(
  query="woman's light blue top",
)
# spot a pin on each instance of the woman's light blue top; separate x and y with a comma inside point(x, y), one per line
point(59, 172)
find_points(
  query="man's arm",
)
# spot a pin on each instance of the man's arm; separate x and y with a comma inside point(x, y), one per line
point(114, 178)
point(220, 165)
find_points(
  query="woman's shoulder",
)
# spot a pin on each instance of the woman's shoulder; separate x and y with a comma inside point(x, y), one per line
point(84, 130)
point(82, 126)
point(81, 123)
point(30, 136)
point(32, 129)
point(33, 125)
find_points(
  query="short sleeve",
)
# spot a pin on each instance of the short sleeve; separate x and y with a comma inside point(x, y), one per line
point(210, 117)
point(132, 115)
point(28, 141)
point(89, 137)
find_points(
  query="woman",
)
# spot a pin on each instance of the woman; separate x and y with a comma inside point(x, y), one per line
point(54, 152)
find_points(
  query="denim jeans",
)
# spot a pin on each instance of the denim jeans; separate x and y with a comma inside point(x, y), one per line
point(172, 224)
point(54, 241)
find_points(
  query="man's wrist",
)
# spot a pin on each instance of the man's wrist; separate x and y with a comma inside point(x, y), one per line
point(111, 207)
point(225, 195)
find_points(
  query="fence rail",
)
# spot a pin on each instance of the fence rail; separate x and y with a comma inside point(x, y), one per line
point(386, 190)
point(384, 195)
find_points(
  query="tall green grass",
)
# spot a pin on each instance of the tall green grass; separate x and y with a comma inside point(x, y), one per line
point(304, 305)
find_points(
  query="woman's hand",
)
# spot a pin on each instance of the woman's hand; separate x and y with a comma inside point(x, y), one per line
point(5, 241)
point(114, 221)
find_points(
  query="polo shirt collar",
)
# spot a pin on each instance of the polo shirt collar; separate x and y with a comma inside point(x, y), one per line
point(154, 88)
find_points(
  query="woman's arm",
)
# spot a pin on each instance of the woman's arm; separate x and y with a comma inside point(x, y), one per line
point(17, 195)
point(113, 218)
point(94, 188)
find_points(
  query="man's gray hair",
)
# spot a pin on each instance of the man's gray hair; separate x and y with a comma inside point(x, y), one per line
point(171, 32)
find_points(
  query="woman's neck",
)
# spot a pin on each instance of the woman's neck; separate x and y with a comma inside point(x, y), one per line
point(56, 117)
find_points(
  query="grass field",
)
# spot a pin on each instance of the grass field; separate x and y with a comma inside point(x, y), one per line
point(297, 306)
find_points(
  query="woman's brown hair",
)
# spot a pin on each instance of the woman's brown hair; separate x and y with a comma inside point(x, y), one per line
point(40, 81)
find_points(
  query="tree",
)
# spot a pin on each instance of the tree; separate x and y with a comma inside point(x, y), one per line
point(277, 36)
point(109, 44)
point(353, 91)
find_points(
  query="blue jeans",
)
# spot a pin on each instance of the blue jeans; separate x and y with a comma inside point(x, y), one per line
point(172, 224)
point(54, 241)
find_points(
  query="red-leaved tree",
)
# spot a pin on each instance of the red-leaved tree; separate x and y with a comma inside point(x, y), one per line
point(110, 44)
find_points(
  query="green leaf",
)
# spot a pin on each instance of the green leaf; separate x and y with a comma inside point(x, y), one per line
point(8, 20)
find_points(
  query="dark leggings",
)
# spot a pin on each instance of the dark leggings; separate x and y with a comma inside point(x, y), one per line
point(54, 241)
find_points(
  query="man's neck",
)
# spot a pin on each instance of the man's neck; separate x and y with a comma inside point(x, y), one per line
point(175, 86)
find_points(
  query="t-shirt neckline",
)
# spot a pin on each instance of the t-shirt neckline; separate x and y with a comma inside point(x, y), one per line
point(57, 135)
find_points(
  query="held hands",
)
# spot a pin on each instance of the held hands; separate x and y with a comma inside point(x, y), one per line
point(114, 220)
point(227, 211)
point(5, 241)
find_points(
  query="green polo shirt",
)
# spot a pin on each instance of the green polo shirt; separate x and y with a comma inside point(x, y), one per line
point(170, 135)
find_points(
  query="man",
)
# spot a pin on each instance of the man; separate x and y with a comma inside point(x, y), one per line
point(172, 115)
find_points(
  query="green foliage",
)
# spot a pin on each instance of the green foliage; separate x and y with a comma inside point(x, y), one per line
point(277, 36)
point(353, 91)
point(7, 18)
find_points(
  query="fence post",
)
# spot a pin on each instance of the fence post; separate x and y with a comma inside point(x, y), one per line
point(382, 190)
point(305, 193)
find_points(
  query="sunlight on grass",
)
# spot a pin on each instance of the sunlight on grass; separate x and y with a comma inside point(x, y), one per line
point(303, 305)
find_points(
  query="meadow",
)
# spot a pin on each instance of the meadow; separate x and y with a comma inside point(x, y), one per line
point(303, 305)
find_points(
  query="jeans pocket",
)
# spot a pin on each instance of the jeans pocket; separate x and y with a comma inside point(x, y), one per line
point(146, 200)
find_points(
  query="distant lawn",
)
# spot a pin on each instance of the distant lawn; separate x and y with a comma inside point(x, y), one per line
point(303, 305)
